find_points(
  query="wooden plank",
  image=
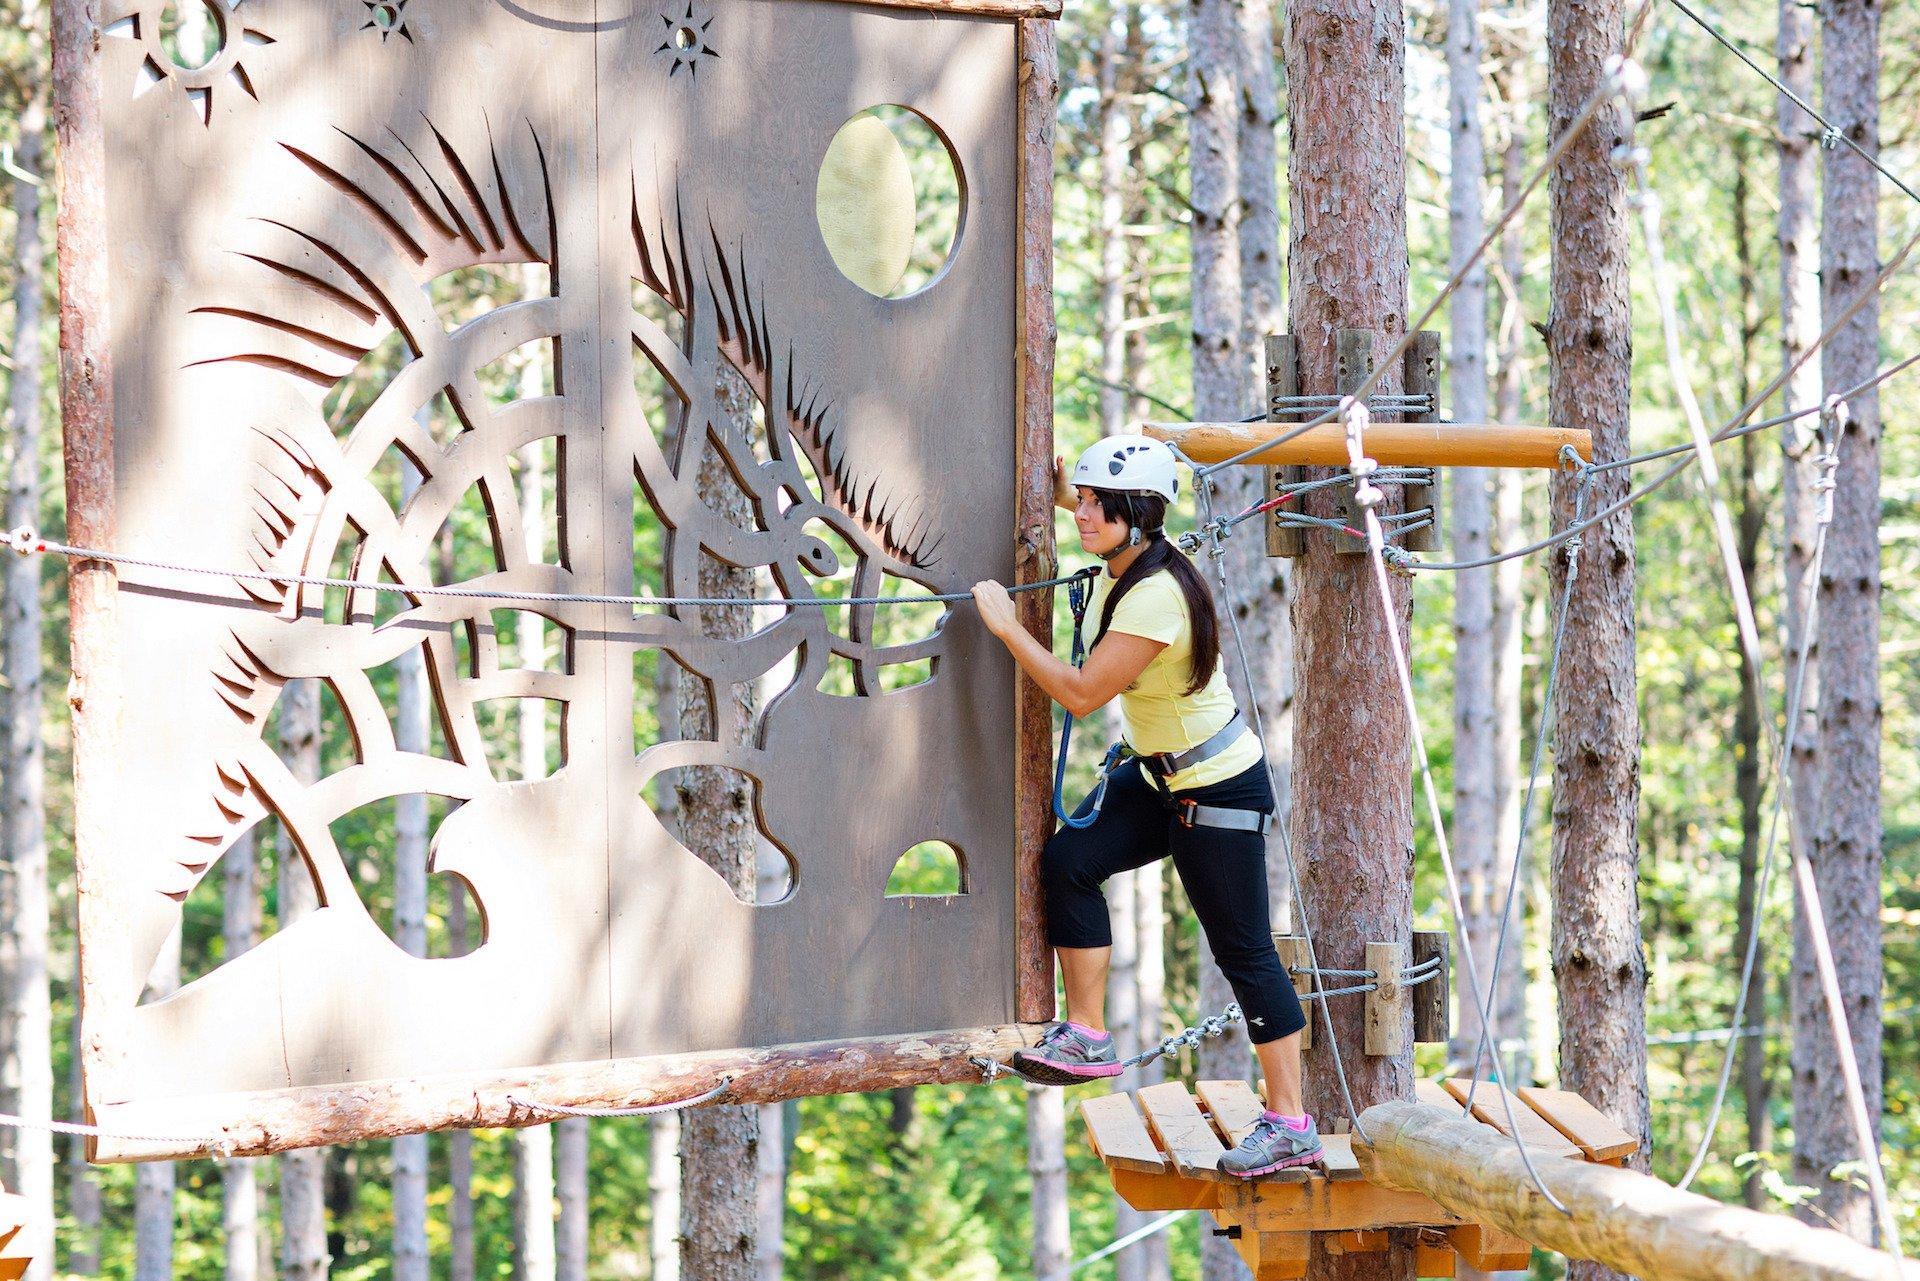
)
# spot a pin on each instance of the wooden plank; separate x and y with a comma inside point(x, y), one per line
point(1338, 1160)
point(1490, 1108)
point(1325, 1205)
point(1389, 444)
point(1034, 553)
point(1595, 1133)
point(1233, 1107)
point(1631, 1222)
point(1164, 1191)
point(1283, 381)
point(1293, 955)
point(1389, 1009)
point(1430, 1004)
point(1490, 1249)
point(1274, 1256)
point(1421, 377)
point(1435, 1095)
point(1182, 1132)
point(1119, 1136)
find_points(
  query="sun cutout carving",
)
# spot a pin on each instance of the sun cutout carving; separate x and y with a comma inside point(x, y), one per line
point(388, 17)
point(686, 41)
point(170, 55)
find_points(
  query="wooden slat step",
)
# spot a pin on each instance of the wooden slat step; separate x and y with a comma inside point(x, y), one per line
point(1592, 1131)
point(1338, 1163)
point(1234, 1108)
point(1120, 1136)
point(1435, 1095)
point(1490, 1109)
point(1175, 1120)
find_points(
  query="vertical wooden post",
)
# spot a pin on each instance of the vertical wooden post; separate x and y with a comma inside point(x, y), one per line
point(1033, 510)
point(1389, 1017)
point(86, 411)
point(1293, 955)
point(1283, 380)
point(1422, 376)
point(1430, 997)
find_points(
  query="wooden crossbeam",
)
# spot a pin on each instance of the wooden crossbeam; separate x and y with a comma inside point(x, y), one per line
point(1391, 444)
point(1120, 1136)
point(1188, 1140)
point(1591, 1130)
point(1492, 1105)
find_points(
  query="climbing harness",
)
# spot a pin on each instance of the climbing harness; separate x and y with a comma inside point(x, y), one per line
point(1089, 809)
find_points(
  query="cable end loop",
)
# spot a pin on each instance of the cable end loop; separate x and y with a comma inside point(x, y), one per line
point(25, 541)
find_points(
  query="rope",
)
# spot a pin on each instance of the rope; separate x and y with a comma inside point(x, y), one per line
point(1367, 496)
point(651, 1109)
point(26, 542)
point(1832, 133)
point(222, 1145)
point(1160, 1224)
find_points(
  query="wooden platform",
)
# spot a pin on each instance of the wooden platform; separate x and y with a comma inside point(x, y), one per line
point(1162, 1147)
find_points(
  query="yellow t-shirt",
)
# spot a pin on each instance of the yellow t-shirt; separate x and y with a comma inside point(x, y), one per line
point(1158, 713)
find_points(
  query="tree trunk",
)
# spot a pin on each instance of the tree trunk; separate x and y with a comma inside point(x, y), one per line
point(1476, 849)
point(719, 1151)
point(1222, 386)
point(771, 1230)
point(1113, 121)
point(1509, 585)
point(1150, 887)
point(571, 1164)
point(153, 1182)
point(411, 733)
point(83, 1189)
point(533, 1204)
point(1047, 1167)
point(239, 1176)
point(25, 1006)
point(1351, 816)
point(1597, 960)
point(1123, 1020)
point(303, 1210)
point(663, 1197)
point(1846, 850)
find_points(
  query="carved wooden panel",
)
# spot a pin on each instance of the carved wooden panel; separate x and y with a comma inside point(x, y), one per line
point(317, 200)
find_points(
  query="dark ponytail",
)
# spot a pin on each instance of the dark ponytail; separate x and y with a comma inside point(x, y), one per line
point(1148, 513)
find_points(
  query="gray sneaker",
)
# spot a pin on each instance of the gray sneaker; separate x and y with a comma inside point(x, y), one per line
point(1067, 1056)
point(1273, 1145)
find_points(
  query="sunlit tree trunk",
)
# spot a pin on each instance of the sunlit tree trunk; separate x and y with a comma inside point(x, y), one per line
point(26, 1018)
point(1846, 849)
point(239, 1176)
point(772, 1194)
point(1112, 116)
point(303, 1211)
point(1150, 892)
point(153, 1181)
point(1597, 959)
point(459, 1142)
point(1047, 1168)
point(410, 734)
point(82, 1258)
point(663, 1196)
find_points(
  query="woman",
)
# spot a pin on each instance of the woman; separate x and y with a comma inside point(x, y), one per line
point(1196, 788)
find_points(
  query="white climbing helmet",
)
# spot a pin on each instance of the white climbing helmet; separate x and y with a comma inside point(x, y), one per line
point(1129, 464)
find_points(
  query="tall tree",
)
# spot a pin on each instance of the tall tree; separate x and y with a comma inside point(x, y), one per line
point(1221, 378)
point(663, 1197)
point(771, 1196)
point(84, 1206)
point(571, 1167)
point(719, 1152)
point(1351, 815)
point(1047, 1168)
point(26, 1005)
point(411, 733)
point(303, 1210)
point(1111, 117)
point(239, 1176)
point(1846, 850)
point(1151, 912)
point(1597, 959)
point(459, 1142)
point(153, 1181)
point(1476, 848)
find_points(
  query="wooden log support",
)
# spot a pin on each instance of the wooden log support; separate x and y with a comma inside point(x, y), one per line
point(1389, 444)
point(1431, 1020)
point(1283, 381)
point(1293, 955)
point(1274, 1256)
point(1625, 1220)
point(1421, 377)
point(1389, 1005)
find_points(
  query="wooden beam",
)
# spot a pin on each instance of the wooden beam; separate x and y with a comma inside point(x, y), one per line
point(264, 1122)
point(1628, 1221)
point(1390, 444)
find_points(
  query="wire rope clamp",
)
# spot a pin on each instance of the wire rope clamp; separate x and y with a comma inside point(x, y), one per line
point(1389, 1011)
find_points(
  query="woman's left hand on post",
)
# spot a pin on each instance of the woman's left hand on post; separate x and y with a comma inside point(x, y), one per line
point(996, 607)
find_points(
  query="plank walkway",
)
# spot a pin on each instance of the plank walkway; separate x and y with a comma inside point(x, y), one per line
point(1162, 1147)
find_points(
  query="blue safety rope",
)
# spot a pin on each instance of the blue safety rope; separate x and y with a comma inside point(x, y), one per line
point(1089, 809)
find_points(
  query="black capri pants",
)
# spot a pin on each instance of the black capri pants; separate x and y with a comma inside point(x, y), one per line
point(1224, 872)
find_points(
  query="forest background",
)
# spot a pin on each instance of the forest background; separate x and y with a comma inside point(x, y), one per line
point(951, 1181)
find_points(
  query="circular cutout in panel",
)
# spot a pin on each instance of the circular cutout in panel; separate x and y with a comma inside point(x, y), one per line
point(889, 201)
point(192, 33)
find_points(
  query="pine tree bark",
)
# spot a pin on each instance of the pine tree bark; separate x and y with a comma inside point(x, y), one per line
point(303, 1212)
point(532, 1204)
point(153, 1182)
point(1123, 1021)
point(1476, 849)
point(411, 733)
point(1798, 137)
point(239, 1176)
point(460, 1257)
point(83, 1189)
point(1112, 119)
point(771, 1196)
point(1047, 1169)
point(571, 1169)
point(25, 1004)
point(1846, 849)
point(1597, 960)
point(1351, 817)
point(1150, 889)
point(663, 1197)
point(1222, 385)
point(719, 1150)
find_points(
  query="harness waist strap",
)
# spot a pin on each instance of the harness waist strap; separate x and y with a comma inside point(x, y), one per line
point(1167, 764)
